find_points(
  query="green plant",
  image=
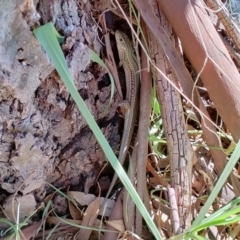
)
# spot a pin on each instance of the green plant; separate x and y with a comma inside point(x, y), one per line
point(49, 39)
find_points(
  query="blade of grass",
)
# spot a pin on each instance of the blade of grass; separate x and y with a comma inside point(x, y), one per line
point(48, 37)
point(224, 216)
point(221, 181)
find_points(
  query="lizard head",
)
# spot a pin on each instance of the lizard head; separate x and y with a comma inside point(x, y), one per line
point(122, 39)
point(123, 43)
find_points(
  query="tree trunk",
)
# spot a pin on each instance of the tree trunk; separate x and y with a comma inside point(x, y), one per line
point(43, 135)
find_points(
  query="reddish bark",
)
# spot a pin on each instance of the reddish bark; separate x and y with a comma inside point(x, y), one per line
point(223, 86)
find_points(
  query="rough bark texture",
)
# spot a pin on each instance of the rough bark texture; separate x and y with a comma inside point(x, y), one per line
point(43, 135)
point(179, 147)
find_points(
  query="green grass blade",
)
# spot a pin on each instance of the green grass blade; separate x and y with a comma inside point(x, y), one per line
point(47, 36)
point(195, 237)
point(227, 170)
point(224, 216)
point(224, 212)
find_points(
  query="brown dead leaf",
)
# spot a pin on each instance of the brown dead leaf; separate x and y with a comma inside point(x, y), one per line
point(160, 179)
point(75, 212)
point(163, 221)
point(86, 199)
point(117, 224)
point(89, 218)
point(48, 198)
point(82, 198)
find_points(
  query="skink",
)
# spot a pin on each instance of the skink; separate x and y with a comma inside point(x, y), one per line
point(129, 62)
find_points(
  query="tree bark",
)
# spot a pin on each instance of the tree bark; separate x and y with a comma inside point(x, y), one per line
point(201, 41)
point(43, 136)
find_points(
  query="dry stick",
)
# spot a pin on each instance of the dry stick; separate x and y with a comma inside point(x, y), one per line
point(129, 210)
point(184, 79)
point(193, 26)
point(174, 210)
point(179, 147)
point(172, 57)
point(160, 179)
point(178, 67)
point(182, 75)
point(143, 128)
point(159, 205)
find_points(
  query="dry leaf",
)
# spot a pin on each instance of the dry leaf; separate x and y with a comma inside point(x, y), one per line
point(89, 218)
point(82, 198)
point(117, 224)
point(75, 212)
point(86, 199)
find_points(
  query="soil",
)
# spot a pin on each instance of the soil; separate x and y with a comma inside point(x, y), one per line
point(44, 138)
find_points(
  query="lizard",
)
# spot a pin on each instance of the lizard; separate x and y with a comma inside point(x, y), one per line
point(128, 60)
